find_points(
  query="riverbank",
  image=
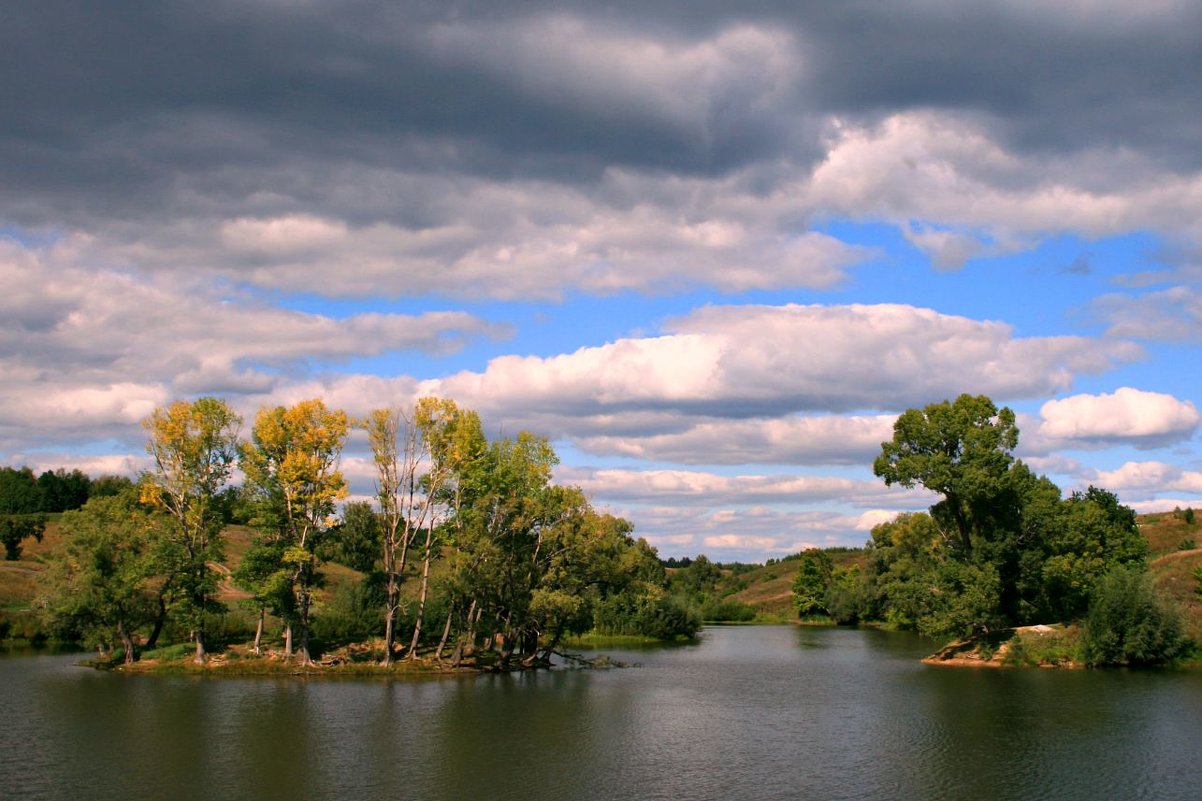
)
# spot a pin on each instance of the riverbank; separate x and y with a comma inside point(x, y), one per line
point(355, 660)
point(1045, 646)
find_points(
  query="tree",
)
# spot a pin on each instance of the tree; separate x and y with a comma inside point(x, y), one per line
point(814, 568)
point(62, 490)
point(416, 454)
point(358, 540)
point(100, 584)
point(961, 450)
point(1129, 623)
point(292, 460)
point(1093, 535)
point(263, 574)
point(193, 447)
point(503, 509)
point(14, 529)
point(454, 439)
point(697, 580)
point(107, 486)
point(19, 492)
point(1002, 547)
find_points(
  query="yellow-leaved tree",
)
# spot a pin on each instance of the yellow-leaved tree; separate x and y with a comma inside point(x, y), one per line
point(193, 447)
point(291, 464)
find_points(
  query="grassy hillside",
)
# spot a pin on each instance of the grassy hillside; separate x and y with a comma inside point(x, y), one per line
point(20, 586)
point(1173, 558)
point(770, 588)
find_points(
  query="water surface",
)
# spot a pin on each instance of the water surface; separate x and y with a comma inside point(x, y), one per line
point(747, 713)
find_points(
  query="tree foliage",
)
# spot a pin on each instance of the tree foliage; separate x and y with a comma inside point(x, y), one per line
point(15, 529)
point(529, 562)
point(193, 447)
point(961, 450)
point(101, 584)
point(1129, 623)
point(292, 461)
point(1001, 547)
point(814, 569)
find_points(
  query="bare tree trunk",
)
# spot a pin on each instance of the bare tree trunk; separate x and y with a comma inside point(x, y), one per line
point(159, 619)
point(421, 599)
point(258, 649)
point(390, 607)
point(127, 641)
point(200, 648)
point(287, 642)
point(446, 632)
point(303, 622)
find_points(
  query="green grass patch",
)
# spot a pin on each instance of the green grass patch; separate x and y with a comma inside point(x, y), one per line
point(1056, 647)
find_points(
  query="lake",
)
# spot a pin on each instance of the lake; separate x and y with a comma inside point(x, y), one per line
point(773, 712)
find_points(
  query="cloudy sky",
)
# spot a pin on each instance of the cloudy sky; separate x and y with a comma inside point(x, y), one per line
point(710, 249)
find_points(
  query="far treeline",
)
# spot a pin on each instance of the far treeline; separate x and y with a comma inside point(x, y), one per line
point(468, 550)
point(1001, 549)
point(26, 500)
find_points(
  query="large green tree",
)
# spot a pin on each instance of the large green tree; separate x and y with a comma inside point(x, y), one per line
point(1002, 547)
point(814, 569)
point(102, 583)
point(19, 491)
point(960, 450)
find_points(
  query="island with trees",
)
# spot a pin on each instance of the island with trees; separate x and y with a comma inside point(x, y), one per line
point(470, 555)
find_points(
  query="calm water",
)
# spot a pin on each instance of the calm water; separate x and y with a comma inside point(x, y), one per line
point(749, 713)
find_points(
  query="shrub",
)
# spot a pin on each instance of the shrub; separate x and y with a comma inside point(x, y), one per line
point(667, 619)
point(726, 611)
point(352, 614)
point(1130, 624)
point(224, 629)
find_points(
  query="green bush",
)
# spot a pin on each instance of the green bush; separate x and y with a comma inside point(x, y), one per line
point(353, 614)
point(726, 611)
point(666, 618)
point(1130, 624)
point(226, 628)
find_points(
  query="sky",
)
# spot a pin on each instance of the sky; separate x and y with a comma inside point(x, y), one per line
point(710, 250)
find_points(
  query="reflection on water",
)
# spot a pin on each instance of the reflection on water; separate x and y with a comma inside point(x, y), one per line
point(749, 713)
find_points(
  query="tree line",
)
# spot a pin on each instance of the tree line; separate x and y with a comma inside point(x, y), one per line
point(1001, 548)
point(526, 562)
point(26, 500)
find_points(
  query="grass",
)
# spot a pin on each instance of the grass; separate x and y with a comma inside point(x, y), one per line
point(1174, 576)
point(591, 640)
point(1166, 531)
point(1033, 647)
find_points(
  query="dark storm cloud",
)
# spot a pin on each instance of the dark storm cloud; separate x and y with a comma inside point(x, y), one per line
point(118, 110)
